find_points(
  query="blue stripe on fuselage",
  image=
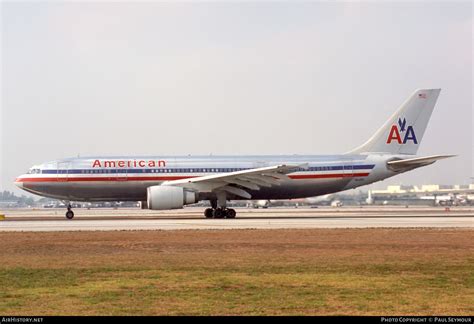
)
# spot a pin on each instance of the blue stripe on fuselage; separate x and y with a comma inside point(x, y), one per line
point(199, 170)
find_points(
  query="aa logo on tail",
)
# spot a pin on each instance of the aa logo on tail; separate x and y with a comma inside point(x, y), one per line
point(402, 130)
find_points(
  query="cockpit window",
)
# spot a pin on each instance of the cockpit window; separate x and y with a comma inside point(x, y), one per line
point(34, 171)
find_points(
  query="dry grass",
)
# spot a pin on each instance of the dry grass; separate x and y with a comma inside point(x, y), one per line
point(323, 272)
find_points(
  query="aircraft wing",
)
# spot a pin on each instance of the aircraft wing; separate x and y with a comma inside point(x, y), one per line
point(415, 162)
point(237, 182)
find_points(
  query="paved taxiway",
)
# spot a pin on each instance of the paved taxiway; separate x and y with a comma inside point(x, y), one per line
point(274, 218)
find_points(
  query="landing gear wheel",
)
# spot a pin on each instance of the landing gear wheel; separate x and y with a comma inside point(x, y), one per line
point(219, 213)
point(230, 213)
point(69, 214)
point(209, 213)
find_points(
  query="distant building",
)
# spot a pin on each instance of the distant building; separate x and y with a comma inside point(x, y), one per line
point(432, 194)
point(430, 188)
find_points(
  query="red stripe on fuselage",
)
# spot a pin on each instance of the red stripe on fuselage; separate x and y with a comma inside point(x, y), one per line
point(170, 178)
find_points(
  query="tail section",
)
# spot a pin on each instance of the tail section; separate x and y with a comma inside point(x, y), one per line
point(403, 132)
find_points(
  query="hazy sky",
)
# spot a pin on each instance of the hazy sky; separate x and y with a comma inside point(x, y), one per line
point(104, 78)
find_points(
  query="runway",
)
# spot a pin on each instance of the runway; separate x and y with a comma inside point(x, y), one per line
point(51, 220)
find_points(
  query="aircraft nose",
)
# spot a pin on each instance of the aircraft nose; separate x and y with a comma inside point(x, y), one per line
point(19, 183)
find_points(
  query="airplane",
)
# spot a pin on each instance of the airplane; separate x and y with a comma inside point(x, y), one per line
point(259, 203)
point(171, 182)
point(329, 200)
point(447, 200)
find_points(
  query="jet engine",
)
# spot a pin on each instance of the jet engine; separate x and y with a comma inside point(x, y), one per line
point(168, 197)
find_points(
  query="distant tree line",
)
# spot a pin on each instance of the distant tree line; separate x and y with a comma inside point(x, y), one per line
point(10, 196)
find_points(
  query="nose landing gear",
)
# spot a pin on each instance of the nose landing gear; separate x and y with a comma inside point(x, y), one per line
point(69, 213)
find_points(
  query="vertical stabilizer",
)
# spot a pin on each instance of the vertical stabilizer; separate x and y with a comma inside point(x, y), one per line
point(403, 132)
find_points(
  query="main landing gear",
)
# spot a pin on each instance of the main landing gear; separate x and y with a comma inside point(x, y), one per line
point(219, 208)
point(69, 213)
point(220, 213)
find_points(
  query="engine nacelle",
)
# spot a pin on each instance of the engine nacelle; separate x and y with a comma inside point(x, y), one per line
point(169, 197)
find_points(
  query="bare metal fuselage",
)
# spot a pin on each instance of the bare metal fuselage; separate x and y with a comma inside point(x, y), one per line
point(127, 178)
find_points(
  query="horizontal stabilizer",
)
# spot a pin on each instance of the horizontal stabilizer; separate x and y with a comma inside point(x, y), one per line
point(415, 162)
